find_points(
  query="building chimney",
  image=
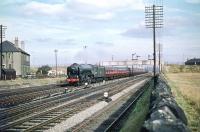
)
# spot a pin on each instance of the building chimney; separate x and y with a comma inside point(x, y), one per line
point(22, 45)
point(16, 42)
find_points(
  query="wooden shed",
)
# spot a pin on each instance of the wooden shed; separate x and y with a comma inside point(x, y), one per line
point(8, 74)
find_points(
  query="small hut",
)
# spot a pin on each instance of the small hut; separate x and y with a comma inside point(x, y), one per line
point(8, 74)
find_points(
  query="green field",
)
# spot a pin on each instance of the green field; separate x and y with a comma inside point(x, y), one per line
point(186, 89)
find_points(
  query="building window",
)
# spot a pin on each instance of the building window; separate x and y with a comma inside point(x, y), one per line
point(9, 55)
point(3, 60)
point(27, 58)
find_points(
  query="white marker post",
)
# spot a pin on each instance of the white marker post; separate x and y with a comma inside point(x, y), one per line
point(66, 90)
point(105, 94)
point(86, 84)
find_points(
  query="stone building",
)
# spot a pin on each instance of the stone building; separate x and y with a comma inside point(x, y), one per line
point(15, 58)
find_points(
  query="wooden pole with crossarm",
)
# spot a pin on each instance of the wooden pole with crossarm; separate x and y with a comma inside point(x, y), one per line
point(154, 19)
point(2, 35)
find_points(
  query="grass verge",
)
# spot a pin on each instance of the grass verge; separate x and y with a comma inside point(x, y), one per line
point(185, 88)
point(138, 115)
point(19, 82)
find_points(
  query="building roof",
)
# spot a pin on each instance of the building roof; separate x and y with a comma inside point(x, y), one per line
point(10, 47)
point(193, 61)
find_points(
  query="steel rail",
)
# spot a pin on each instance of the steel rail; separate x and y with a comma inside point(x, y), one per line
point(14, 123)
point(116, 122)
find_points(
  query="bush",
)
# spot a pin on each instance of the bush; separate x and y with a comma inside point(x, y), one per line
point(43, 71)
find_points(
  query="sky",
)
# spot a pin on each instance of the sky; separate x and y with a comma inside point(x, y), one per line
point(108, 28)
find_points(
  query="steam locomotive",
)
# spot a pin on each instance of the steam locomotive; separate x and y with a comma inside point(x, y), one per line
point(82, 73)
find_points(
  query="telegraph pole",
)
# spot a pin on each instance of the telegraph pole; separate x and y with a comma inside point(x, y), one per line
point(154, 45)
point(2, 34)
point(154, 19)
point(1, 50)
point(132, 61)
point(85, 47)
point(159, 58)
point(56, 51)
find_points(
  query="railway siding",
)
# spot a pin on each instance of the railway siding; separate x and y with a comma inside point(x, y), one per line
point(46, 118)
point(21, 120)
point(10, 98)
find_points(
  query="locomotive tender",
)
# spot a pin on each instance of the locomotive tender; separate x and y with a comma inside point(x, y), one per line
point(87, 73)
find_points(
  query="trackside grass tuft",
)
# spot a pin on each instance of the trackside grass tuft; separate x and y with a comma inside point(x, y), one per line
point(138, 115)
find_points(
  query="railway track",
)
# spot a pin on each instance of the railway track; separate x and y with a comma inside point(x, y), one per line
point(17, 91)
point(35, 106)
point(13, 97)
point(104, 121)
point(9, 98)
point(116, 121)
point(49, 117)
